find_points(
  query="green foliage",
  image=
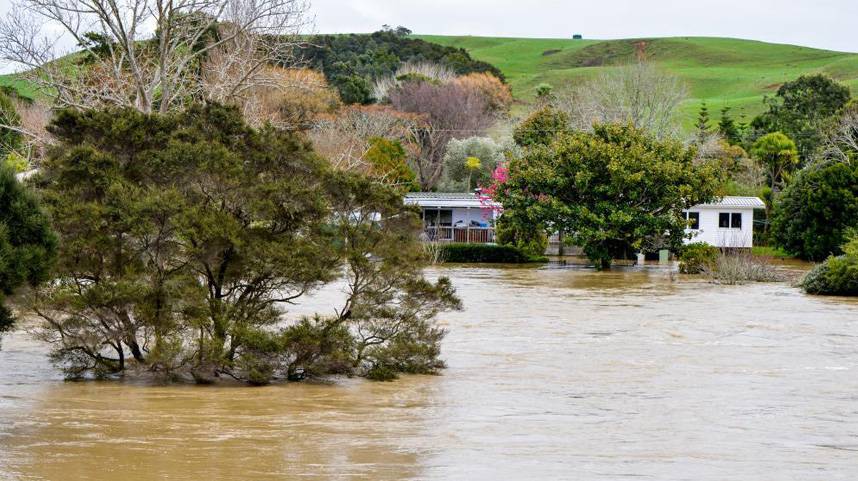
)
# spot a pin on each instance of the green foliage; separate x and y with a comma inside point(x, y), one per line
point(697, 258)
point(702, 124)
point(541, 128)
point(353, 89)
point(10, 139)
point(544, 92)
point(728, 129)
point(15, 162)
point(811, 218)
point(804, 109)
point(187, 232)
point(512, 231)
point(388, 161)
point(837, 276)
point(27, 243)
point(352, 62)
point(96, 46)
point(779, 155)
point(486, 253)
point(616, 191)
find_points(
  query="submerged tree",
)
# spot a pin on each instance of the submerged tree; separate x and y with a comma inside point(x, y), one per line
point(27, 243)
point(616, 191)
point(186, 235)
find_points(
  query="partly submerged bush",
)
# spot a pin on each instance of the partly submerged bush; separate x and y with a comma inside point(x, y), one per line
point(532, 240)
point(486, 253)
point(696, 258)
point(837, 276)
point(742, 268)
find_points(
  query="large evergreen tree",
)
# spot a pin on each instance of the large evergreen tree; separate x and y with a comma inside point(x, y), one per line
point(185, 235)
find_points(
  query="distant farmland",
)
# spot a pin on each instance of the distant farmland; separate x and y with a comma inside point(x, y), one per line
point(721, 71)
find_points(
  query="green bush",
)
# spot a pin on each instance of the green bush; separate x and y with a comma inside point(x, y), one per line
point(532, 240)
point(697, 258)
point(486, 253)
point(837, 276)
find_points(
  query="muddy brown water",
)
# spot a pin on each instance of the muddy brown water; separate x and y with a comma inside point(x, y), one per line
point(554, 373)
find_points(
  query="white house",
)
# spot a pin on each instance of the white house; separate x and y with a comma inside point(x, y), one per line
point(464, 217)
point(728, 223)
point(456, 217)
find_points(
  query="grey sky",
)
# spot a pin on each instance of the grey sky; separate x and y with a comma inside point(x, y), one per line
point(830, 24)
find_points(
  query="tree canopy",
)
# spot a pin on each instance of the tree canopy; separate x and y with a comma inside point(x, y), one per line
point(816, 210)
point(804, 109)
point(27, 243)
point(615, 191)
point(778, 154)
point(353, 62)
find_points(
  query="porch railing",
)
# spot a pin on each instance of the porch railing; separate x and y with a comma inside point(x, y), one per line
point(469, 235)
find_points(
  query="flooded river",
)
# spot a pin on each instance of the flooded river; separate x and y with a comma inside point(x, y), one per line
point(553, 374)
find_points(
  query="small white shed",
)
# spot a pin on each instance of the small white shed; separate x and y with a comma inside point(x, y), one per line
point(728, 223)
point(456, 217)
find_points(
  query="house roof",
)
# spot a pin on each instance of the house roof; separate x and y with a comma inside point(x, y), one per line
point(467, 199)
point(737, 202)
point(446, 199)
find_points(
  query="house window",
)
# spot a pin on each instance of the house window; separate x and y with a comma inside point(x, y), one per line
point(693, 219)
point(438, 217)
point(736, 221)
point(728, 220)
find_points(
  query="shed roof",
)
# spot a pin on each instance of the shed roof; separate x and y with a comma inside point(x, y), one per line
point(737, 202)
point(446, 199)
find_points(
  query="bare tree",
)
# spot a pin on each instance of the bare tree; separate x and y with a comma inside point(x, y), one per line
point(344, 138)
point(148, 54)
point(28, 120)
point(638, 94)
point(451, 111)
point(842, 143)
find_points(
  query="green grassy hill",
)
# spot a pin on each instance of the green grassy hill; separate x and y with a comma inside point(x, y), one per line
point(721, 71)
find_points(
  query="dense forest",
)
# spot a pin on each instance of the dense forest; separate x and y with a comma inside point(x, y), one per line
point(351, 63)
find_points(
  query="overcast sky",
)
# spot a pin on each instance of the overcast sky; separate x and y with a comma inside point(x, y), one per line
point(830, 24)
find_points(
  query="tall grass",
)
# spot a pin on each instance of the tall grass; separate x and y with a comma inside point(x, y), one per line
point(742, 268)
point(434, 252)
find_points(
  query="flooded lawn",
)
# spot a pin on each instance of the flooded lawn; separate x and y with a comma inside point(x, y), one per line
point(554, 373)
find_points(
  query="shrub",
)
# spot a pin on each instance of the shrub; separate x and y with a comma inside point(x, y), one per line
point(696, 258)
point(486, 253)
point(532, 240)
point(837, 276)
point(742, 268)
